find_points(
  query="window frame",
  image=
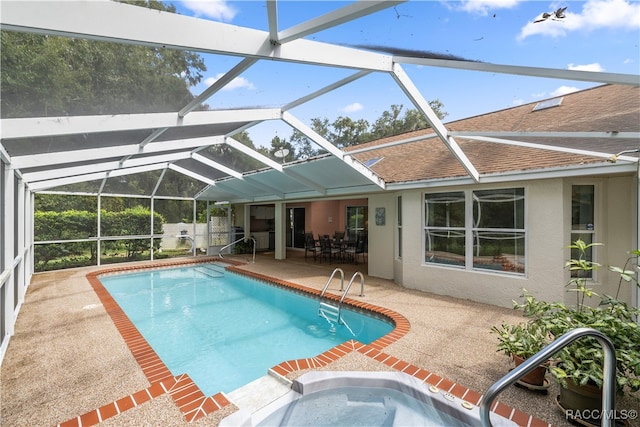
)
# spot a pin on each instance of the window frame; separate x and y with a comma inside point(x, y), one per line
point(470, 230)
point(448, 229)
point(595, 216)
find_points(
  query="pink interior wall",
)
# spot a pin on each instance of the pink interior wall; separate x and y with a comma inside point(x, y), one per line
point(317, 215)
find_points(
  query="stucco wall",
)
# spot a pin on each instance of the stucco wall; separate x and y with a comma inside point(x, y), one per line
point(545, 273)
point(382, 237)
point(620, 197)
point(324, 218)
point(615, 230)
point(548, 222)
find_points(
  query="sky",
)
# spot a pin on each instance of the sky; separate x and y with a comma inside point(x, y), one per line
point(594, 35)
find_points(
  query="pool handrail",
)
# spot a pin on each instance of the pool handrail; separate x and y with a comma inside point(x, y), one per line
point(609, 371)
point(238, 241)
point(333, 309)
point(357, 273)
point(335, 270)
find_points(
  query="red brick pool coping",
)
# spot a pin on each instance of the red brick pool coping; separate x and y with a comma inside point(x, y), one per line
point(194, 404)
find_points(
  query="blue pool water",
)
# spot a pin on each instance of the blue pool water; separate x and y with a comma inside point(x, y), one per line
point(224, 329)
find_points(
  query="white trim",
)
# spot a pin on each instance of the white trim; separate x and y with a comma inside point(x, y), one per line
point(32, 127)
point(123, 23)
point(416, 97)
point(51, 183)
point(331, 19)
point(62, 157)
point(217, 85)
point(552, 147)
point(553, 73)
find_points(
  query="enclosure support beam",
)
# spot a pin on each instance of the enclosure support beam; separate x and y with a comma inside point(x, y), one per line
point(421, 104)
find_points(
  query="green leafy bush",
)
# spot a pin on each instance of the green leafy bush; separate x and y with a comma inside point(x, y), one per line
point(77, 225)
point(583, 361)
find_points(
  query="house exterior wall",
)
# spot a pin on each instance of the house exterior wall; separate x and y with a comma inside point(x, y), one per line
point(323, 217)
point(544, 272)
point(615, 229)
point(621, 229)
point(548, 235)
point(381, 252)
point(548, 227)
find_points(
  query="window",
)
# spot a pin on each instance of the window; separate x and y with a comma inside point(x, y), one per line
point(357, 222)
point(498, 230)
point(543, 105)
point(583, 219)
point(482, 229)
point(445, 228)
point(399, 225)
point(372, 162)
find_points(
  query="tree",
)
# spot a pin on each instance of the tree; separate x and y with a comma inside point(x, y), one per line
point(391, 123)
point(234, 159)
point(46, 75)
point(55, 76)
point(345, 132)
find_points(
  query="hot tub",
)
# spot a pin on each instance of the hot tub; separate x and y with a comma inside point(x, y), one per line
point(338, 398)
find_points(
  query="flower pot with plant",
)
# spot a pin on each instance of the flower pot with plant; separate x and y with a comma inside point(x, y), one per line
point(580, 365)
point(521, 341)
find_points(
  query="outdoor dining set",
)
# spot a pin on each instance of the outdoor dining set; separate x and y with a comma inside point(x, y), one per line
point(336, 248)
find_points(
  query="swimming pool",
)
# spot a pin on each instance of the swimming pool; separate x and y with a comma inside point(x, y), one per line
point(225, 329)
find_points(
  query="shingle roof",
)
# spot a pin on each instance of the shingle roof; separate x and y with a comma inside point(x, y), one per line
point(604, 109)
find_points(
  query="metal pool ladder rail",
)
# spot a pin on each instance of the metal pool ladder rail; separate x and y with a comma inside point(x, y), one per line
point(357, 273)
point(609, 370)
point(238, 241)
point(332, 312)
point(325, 309)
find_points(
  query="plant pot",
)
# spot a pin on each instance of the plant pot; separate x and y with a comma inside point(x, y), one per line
point(581, 403)
point(580, 397)
point(536, 377)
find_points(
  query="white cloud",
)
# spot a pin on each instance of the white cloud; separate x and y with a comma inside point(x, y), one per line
point(484, 7)
point(595, 14)
point(216, 9)
point(237, 83)
point(547, 28)
point(628, 61)
point(563, 90)
point(586, 67)
point(611, 14)
point(352, 108)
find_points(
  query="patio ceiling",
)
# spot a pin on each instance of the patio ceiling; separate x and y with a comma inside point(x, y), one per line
point(53, 152)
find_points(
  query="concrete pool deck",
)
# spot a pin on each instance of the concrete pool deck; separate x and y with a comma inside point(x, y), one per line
point(68, 358)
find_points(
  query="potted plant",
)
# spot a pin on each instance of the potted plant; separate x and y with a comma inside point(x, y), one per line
point(521, 341)
point(579, 366)
point(243, 247)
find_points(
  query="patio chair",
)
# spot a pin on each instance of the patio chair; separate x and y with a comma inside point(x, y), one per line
point(352, 251)
point(310, 246)
point(328, 249)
